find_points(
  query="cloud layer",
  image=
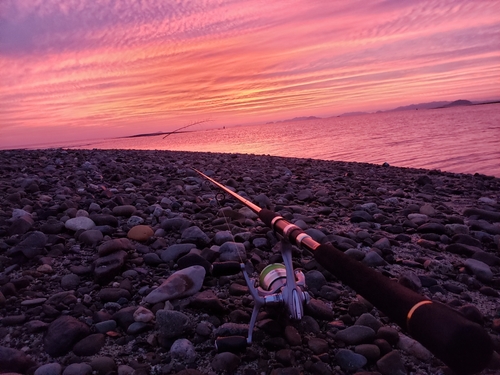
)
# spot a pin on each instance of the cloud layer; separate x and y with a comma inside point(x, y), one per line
point(73, 69)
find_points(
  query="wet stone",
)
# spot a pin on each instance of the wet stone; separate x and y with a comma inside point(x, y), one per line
point(226, 362)
point(481, 270)
point(114, 245)
point(315, 280)
point(14, 360)
point(171, 324)
point(232, 251)
point(317, 345)
point(373, 259)
point(356, 335)
point(91, 237)
point(370, 351)
point(319, 310)
point(125, 210)
point(62, 334)
point(113, 294)
point(103, 365)
point(391, 364)
point(90, 345)
point(195, 235)
point(70, 281)
point(369, 320)
point(174, 252)
point(292, 336)
point(78, 369)
point(109, 266)
point(49, 369)
point(349, 360)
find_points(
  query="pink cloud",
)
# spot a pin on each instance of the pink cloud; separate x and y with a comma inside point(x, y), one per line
point(89, 64)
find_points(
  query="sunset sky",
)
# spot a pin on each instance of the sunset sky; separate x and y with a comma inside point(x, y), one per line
point(78, 69)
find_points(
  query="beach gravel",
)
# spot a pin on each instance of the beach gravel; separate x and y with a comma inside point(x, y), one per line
point(106, 258)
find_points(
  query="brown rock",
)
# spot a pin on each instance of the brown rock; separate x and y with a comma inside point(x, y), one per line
point(140, 233)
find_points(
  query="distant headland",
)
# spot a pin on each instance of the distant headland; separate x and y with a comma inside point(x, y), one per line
point(411, 107)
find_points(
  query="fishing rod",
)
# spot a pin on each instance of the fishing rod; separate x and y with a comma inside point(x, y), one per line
point(461, 344)
point(185, 127)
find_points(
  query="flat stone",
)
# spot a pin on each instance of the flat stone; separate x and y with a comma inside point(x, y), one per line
point(114, 245)
point(183, 283)
point(79, 223)
point(173, 252)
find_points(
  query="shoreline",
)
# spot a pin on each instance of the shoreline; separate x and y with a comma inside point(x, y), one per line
point(436, 232)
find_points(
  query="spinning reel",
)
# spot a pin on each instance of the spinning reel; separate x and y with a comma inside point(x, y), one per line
point(278, 284)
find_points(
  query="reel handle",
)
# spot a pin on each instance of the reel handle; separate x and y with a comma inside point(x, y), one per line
point(233, 344)
point(225, 268)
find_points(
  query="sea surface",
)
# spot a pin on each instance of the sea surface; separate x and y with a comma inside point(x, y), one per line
point(458, 139)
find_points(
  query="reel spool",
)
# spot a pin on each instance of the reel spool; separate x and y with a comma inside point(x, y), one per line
point(273, 277)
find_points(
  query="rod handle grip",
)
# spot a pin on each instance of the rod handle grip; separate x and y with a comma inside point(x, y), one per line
point(225, 268)
point(233, 344)
point(460, 343)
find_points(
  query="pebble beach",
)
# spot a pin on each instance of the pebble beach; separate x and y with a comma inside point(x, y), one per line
point(105, 259)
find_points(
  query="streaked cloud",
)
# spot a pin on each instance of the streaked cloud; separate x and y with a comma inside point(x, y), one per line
point(88, 68)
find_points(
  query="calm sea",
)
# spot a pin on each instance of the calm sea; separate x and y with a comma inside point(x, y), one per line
point(459, 139)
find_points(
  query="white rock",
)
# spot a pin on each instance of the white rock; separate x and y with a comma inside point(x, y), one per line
point(78, 223)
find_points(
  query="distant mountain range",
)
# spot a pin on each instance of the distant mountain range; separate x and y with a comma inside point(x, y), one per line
point(430, 105)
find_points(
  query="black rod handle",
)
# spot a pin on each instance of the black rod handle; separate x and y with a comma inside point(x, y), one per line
point(461, 344)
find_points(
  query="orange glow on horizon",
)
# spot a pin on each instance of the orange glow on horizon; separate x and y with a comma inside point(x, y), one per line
point(97, 69)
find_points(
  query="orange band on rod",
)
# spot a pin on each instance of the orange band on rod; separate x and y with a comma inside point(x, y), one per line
point(412, 311)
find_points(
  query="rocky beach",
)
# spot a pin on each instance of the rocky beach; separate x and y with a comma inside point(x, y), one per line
point(105, 260)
